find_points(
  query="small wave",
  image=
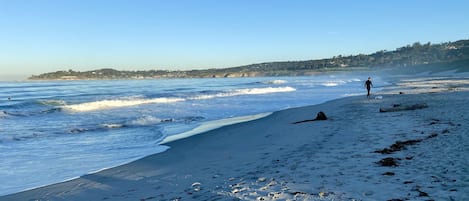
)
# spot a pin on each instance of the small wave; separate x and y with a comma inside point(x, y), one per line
point(146, 120)
point(112, 125)
point(266, 90)
point(238, 92)
point(333, 84)
point(3, 114)
point(109, 104)
point(16, 138)
point(78, 130)
point(51, 110)
point(11, 114)
point(276, 82)
point(352, 94)
point(330, 84)
point(53, 102)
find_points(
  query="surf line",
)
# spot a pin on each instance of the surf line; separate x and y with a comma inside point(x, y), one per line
point(118, 103)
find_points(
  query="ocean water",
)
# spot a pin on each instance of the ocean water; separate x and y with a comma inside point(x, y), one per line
point(51, 131)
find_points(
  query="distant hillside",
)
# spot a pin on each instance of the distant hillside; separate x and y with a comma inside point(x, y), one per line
point(417, 54)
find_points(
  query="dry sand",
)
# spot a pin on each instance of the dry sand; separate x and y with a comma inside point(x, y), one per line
point(336, 159)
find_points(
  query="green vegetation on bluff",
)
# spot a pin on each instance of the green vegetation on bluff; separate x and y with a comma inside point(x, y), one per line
point(417, 54)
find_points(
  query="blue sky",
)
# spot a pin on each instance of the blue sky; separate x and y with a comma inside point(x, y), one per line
point(39, 36)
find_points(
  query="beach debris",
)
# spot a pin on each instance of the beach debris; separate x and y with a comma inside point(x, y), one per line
point(399, 107)
point(397, 146)
point(389, 162)
point(319, 117)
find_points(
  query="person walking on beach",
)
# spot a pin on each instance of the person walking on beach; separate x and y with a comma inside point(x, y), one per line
point(368, 85)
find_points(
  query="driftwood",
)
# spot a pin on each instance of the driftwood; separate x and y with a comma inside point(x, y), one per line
point(320, 116)
point(399, 107)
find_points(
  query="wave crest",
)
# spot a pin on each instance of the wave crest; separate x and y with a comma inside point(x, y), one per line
point(145, 121)
point(109, 104)
point(333, 83)
point(53, 102)
point(276, 82)
point(253, 91)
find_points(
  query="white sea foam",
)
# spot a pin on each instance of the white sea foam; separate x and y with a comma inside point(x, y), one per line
point(109, 104)
point(333, 83)
point(266, 90)
point(145, 120)
point(238, 92)
point(276, 82)
point(53, 102)
point(112, 125)
point(353, 94)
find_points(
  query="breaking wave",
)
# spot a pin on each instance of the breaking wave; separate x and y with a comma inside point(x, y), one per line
point(112, 125)
point(238, 92)
point(276, 82)
point(53, 102)
point(146, 120)
point(334, 83)
point(110, 104)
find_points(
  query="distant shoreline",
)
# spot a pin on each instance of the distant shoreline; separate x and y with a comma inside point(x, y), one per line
point(115, 75)
point(452, 54)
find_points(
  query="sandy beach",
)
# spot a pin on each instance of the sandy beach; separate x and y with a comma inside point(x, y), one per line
point(358, 153)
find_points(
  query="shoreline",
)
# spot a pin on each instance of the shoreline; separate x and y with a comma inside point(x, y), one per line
point(202, 128)
point(272, 159)
point(212, 125)
point(45, 174)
